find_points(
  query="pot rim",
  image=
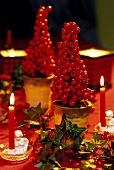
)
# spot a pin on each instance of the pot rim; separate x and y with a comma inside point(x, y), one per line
point(48, 78)
point(67, 107)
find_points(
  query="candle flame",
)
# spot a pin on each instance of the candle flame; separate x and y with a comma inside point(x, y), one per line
point(95, 53)
point(12, 99)
point(11, 52)
point(92, 52)
point(102, 81)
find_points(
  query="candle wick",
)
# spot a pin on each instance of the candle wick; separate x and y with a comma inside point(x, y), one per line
point(11, 105)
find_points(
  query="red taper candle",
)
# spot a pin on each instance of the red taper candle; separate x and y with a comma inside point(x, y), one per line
point(11, 122)
point(9, 37)
point(102, 103)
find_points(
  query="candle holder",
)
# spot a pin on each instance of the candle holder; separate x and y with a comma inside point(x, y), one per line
point(101, 128)
point(109, 123)
point(21, 151)
point(98, 62)
point(7, 154)
point(8, 58)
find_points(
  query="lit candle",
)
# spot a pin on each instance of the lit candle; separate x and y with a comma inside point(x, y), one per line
point(102, 103)
point(94, 53)
point(11, 122)
point(11, 52)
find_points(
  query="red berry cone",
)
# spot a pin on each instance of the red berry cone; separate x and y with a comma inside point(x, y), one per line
point(39, 61)
point(70, 84)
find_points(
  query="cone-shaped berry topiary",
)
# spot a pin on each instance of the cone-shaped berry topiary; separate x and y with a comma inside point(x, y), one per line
point(39, 61)
point(70, 84)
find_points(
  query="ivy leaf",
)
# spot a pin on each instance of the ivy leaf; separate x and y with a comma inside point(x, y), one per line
point(45, 151)
point(34, 113)
point(78, 141)
point(58, 140)
point(52, 157)
point(44, 166)
point(106, 152)
point(33, 124)
point(43, 135)
point(58, 137)
point(23, 124)
point(64, 145)
point(39, 164)
point(62, 126)
point(91, 144)
point(74, 129)
point(52, 164)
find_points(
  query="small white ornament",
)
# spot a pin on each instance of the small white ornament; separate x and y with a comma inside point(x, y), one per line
point(109, 113)
point(21, 144)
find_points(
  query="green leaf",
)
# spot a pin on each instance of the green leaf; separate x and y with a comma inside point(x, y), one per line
point(58, 137)
point(33, 124)
point(23, 124)
point(106, 152)
point(53, 156)
point(45, 151)
point(64, 145)
point(91, 144)
point(74, 129)
point(78, 141)
point(43, 134)
point(34, 113)
point(39, 164)
point(54, 163)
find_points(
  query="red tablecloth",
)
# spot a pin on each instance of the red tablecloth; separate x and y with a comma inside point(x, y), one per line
point(94, 119)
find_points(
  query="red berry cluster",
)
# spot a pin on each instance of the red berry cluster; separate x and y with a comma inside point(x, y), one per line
point(39, 61)
point(106, 136)
point(5, 83)
point(5, 77)
point(70, 84)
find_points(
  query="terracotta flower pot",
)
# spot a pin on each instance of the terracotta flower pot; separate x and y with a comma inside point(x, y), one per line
point(77, 116)
point(38, 90)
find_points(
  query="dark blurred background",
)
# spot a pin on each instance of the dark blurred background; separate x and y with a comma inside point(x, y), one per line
point(93, 17)
point(17, 15)
point(20, 16)
point(80, 11)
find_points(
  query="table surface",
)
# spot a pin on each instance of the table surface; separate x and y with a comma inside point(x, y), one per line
point(94, 119)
